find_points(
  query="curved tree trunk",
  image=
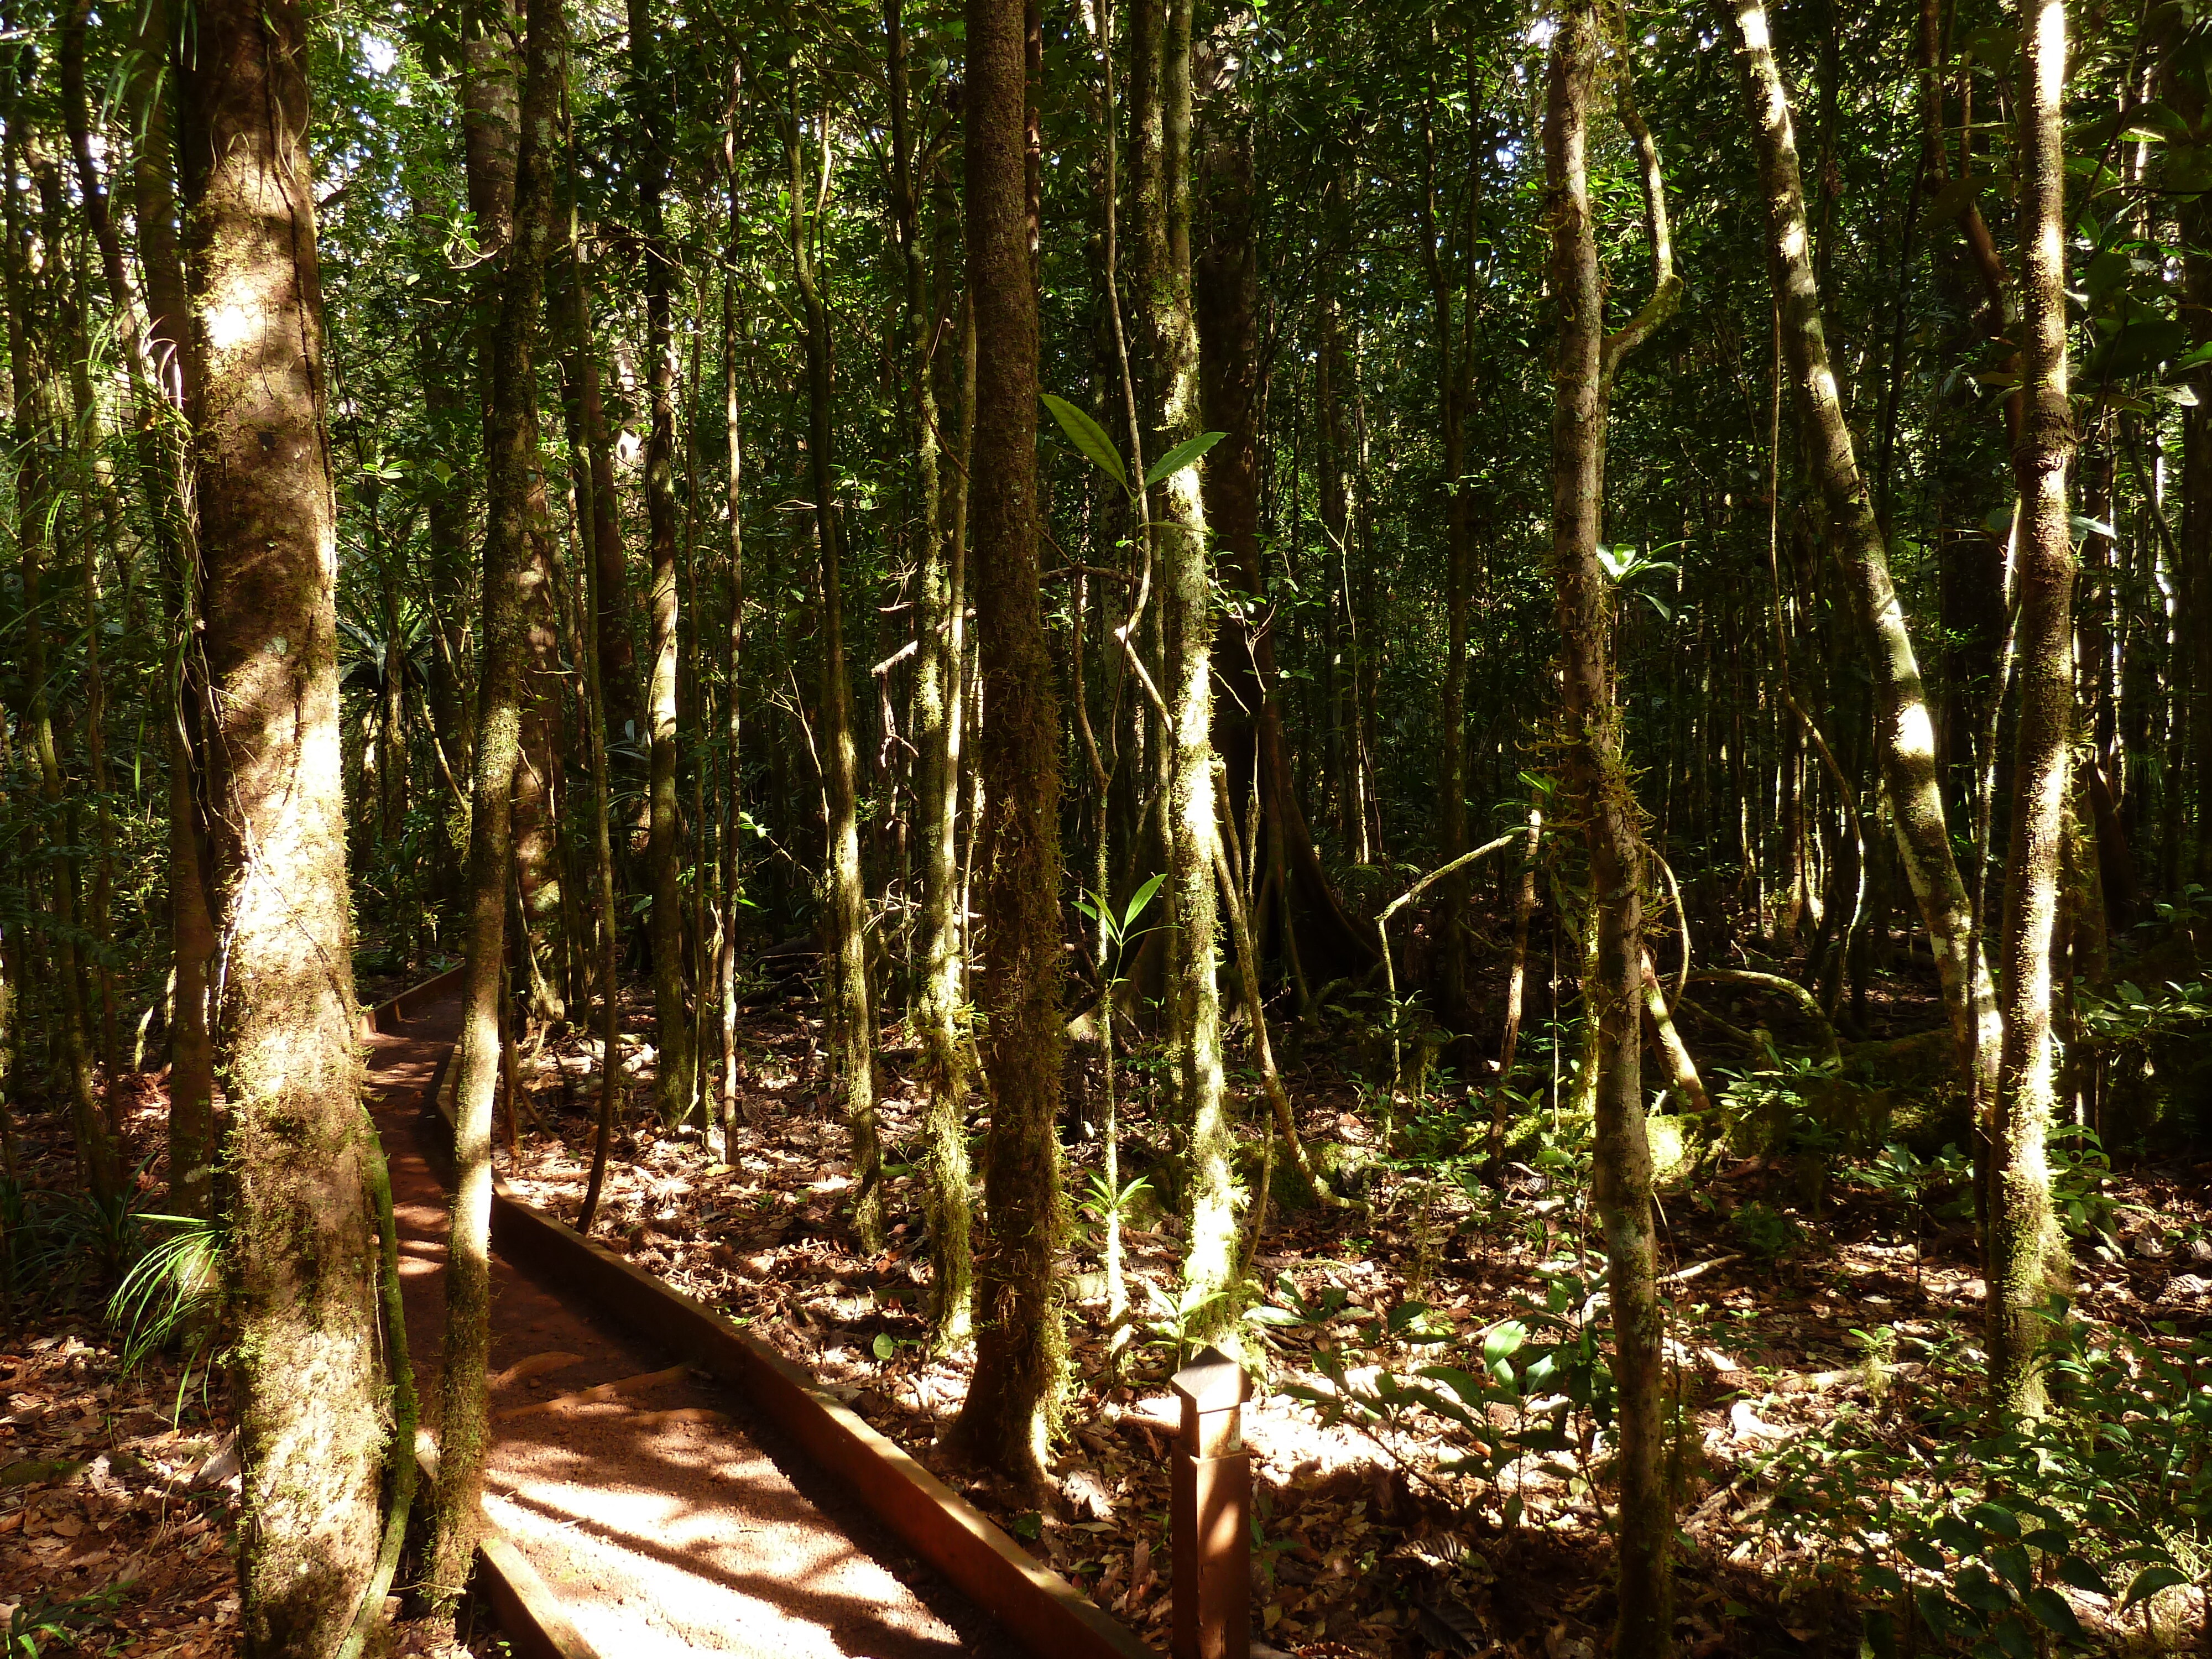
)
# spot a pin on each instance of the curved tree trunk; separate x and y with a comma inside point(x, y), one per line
point(513, 593)
point(1905, 728)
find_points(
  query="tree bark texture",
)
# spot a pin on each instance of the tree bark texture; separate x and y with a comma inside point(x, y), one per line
point(302, 1269)
point(1599, 799)
point(1020, 1347)
point(2026, 1249)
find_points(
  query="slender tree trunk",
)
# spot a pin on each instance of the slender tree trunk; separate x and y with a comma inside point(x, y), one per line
point(852, 1014)
point(937, 703)
point(585, 467)
point(1598, 792)
point(1187, 616)
point(30, 347)
point(2025, 1249)
point(266, 675)
point(733, 729)
point(1020, 1347)
point(1451, 742)
point(1905, 730)
point(512, 593)
point(192, 942)
point(664, 848)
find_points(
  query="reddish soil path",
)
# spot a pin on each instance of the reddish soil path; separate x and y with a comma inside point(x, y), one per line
point(664, 1519)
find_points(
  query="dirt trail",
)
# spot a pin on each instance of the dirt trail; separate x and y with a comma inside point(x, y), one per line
point(665, 1518)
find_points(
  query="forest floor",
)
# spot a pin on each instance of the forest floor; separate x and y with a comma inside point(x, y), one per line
point(1808, 1291)
point(118, 1479)
point(1801, 1295)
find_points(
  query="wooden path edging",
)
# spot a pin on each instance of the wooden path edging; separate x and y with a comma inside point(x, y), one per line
point(529, 1613)
point(386, 1016)
point(1038, 1607)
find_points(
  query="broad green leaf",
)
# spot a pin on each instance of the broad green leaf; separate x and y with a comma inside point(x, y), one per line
point(2082, 1575)
point(1180, 456)
point(1995, 1517)
point(1087, 436)
point(2149, 1583)
point(2053, 1609)
point(1504, 1341)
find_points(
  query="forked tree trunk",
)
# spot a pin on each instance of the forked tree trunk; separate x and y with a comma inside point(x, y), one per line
point(2025, 1248)
point(512, 593)
point(1020, 1346)
point(1905, 726)
point(301, 1270)
point(1598, 787)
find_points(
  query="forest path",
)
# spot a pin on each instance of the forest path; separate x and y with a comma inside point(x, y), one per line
point(666, 1519)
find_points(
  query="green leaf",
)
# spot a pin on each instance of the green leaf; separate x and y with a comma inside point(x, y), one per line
point(885, 1347)
point(2056, 1616)
point(2149, 1583)
point(1923, 1554)
point(2082, 1575)
point(1977, 1589)
point(1087, 436)
point(1936, 1611)
point(1504, 1341)
point(1465, 1384)
point(2011, 1561)
point(1140, 898)
point(1995, 1517)
point(1180, 456)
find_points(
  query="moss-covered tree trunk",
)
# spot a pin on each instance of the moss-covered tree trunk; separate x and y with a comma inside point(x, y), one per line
point(1020, 1349)
point(512, 593)
point(2025, 1247)
point(1904, 724)
point(937, 716)
point(1598, 794)
point(851, 1010)
point(1186, 561)
point(301, 1265)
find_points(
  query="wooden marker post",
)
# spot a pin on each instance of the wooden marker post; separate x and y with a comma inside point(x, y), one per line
point(1212, 1512)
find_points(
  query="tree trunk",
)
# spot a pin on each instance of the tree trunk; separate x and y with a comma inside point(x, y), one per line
point(1597, 783)
point(1020, 1348)
point(733, 873)
point(311, 1423)
point(1180, 534)
point(2025, 1248)
point(937, 717)
point(663, 849)
point(30, 345)
point(852, 1016)
point(512, 595)
point(1906, 732)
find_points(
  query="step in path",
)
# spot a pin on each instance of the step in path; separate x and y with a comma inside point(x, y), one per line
point(663, 1516)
